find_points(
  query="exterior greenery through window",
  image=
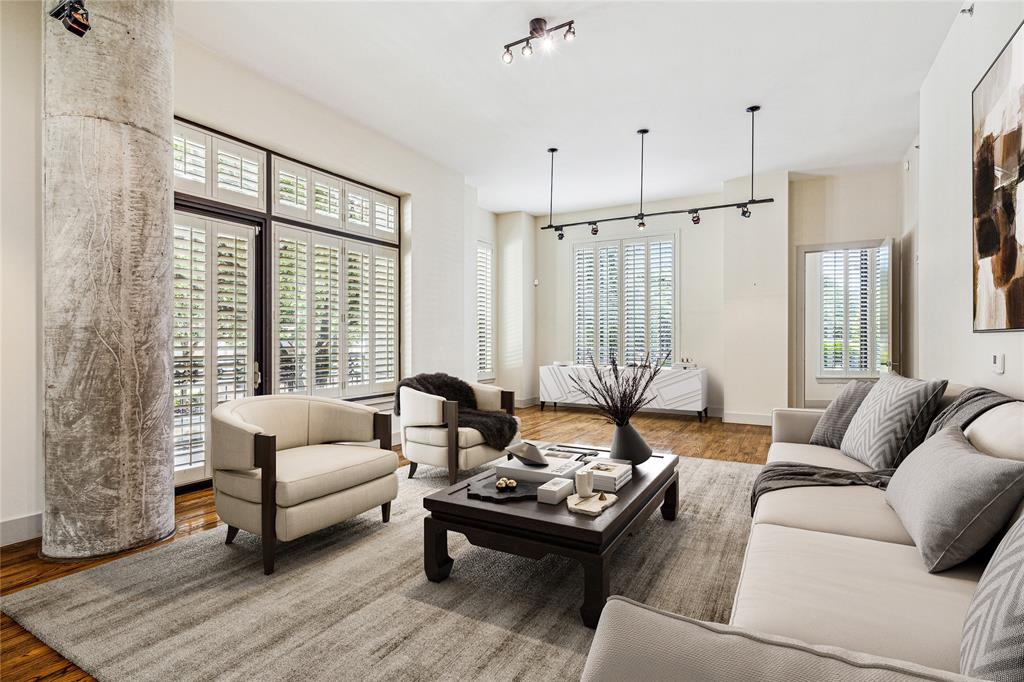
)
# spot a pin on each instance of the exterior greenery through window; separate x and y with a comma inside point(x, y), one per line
point(484, 311)
point(623, 300)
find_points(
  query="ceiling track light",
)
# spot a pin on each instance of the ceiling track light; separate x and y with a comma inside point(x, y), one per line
point(539, 31)
point(640, 217)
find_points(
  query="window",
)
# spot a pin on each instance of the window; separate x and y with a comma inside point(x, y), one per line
point(385, 217)
point(484, 311)
point(358, 211)
point(336, 314)
point(326, 200)
point(854, 311)
point(214, 167)
point(291, 189)
point(213, 329)
point(624, 303)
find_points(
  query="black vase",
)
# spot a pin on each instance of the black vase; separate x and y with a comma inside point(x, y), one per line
point(628, 444)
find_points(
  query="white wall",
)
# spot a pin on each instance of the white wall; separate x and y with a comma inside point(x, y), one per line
point(945, 343)
point(21, 452)
point(481, 226)
point(517, 317)
point(908, 258)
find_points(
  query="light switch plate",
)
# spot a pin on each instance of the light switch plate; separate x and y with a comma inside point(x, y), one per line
point(998, 363)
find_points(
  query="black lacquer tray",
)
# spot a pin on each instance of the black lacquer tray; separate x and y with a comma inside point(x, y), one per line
point(485, 490)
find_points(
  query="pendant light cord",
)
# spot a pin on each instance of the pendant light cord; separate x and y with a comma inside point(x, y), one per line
point(551, 189)
point(643, 134)
point(752, 153)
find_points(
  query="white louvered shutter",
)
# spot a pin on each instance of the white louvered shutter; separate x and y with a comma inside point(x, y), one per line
point(608, 302)
point(291, 189)
point(833, 311)
point(191, 151)
point(292, 280)
point(385, 318)
point(634, 300)
point(191, 340)
point(238, 174)
point(858, 307)
point(882, 306)
point(358, 209)
point(357, 308)
point(484, 311)
point(584, 290)
point(661, 299)
point(385, 217)
point(326, 315)
point(326, 200)
point(234, 293)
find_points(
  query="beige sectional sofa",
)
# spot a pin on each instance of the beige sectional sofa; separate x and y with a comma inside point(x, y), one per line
point(824, 566)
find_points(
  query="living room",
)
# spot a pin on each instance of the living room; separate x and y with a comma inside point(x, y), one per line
point(364, 340)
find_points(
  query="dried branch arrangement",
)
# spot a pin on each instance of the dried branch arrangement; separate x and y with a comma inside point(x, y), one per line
point(618, 394)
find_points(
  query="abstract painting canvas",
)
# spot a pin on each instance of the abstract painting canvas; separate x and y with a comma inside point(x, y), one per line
point(998, 104)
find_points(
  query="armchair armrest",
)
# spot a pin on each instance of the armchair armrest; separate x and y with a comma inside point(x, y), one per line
point(382, 429)
point(421, 409)
point(233, 444)
point(494, 398)
point(636, 642)
point(794, 425)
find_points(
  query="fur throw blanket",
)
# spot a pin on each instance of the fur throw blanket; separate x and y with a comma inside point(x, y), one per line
point(497, 428)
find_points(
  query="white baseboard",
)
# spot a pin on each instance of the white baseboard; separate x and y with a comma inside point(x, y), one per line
point(747, 418)
point(527, 402)
point(21, 529)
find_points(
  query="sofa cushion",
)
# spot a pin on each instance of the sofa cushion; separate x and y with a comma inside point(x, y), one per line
point(1000, 431)
point(311, 471)
point(857, 510)
point(636, 642)
point(892, 420)
point(952, 499)
point(831, 428)
point(813, 454)
point(864, 595)
point(993, 642)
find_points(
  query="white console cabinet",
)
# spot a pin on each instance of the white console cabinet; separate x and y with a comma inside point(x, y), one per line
point(675, 390)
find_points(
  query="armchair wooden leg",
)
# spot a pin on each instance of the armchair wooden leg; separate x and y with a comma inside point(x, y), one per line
point(412, 469)
point(451, 418)
point(232, 532)
point(385, 511)
point(268, 554)
point(453, 475)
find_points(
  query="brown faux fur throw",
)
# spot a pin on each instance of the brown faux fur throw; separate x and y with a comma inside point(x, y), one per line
point(497, 428)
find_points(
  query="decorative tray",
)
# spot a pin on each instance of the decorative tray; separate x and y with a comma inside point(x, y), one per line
point(485, 490)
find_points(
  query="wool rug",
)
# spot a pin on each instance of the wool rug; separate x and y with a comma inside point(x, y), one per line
point(352, 602)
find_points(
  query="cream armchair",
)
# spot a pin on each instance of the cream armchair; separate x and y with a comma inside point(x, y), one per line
point(431, 433)
point(286, 466)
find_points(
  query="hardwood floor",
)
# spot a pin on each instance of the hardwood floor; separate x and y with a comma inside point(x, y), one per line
point(23, 657)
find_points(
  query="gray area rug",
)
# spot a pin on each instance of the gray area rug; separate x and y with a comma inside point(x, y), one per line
point(352, 602)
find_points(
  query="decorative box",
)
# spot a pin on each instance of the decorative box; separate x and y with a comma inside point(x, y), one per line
point(556, 468)
point(554, 491)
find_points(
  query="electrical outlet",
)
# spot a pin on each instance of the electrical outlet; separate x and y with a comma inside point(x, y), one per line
point(998, 363)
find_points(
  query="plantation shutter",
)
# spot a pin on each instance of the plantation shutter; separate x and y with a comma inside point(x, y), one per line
point(191, 151)
point(634, 303)
point(239, 174)
point(855, 311)
point(385, 217)
point(291, 189)
point(583, 292)
point(235, 310)
point(608, 302)
point(882, 307)
point(357, 317)
point(326, 193)
point(326, 315)
point(484, 311)
point(833, 311)
point(190, 340)
point(359, 209)
point(661, 283)
point(385, 318)
point(292, 279)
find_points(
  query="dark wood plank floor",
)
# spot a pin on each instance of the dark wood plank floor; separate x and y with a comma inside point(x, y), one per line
point(23, 657)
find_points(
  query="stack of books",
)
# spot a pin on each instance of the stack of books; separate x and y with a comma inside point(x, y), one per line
point(610, 474)
point(556, 468)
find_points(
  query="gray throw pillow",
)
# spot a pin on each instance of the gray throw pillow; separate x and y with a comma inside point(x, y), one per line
point(832, 426)
point(992, 647)
point(892, 420)
point(953, 499)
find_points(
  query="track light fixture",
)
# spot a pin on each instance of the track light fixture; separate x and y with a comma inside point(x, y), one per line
point(640, 217)
point(539, 31)
point(74, 16)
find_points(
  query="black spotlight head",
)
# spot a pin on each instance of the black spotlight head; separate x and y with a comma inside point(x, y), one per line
point(593, 229)
point(74, 16)
point(744, 211)
point(695, 218)
point(561, 235)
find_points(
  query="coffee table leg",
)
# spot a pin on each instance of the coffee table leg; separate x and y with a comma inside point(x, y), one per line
point(436, 562)
point(671, 503)
point(595, 589)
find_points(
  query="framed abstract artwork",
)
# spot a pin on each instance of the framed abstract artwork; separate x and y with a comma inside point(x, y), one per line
point(998, 225)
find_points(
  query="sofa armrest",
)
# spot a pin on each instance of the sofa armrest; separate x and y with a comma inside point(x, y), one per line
point(636, 642)
point(420, 409)
point(794, 425)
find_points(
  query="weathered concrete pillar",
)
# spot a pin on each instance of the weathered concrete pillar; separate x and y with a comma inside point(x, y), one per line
point(107, 205)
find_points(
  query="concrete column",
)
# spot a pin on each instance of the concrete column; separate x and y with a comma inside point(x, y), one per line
point(107, 205)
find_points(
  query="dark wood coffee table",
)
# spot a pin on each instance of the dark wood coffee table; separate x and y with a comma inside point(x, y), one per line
point(532, 529)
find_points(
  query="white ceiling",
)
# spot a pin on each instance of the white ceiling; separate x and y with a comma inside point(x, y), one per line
point(838, 82)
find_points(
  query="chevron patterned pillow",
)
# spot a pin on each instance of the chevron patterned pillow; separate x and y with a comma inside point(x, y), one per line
point(992, 647)
point(892, 420)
